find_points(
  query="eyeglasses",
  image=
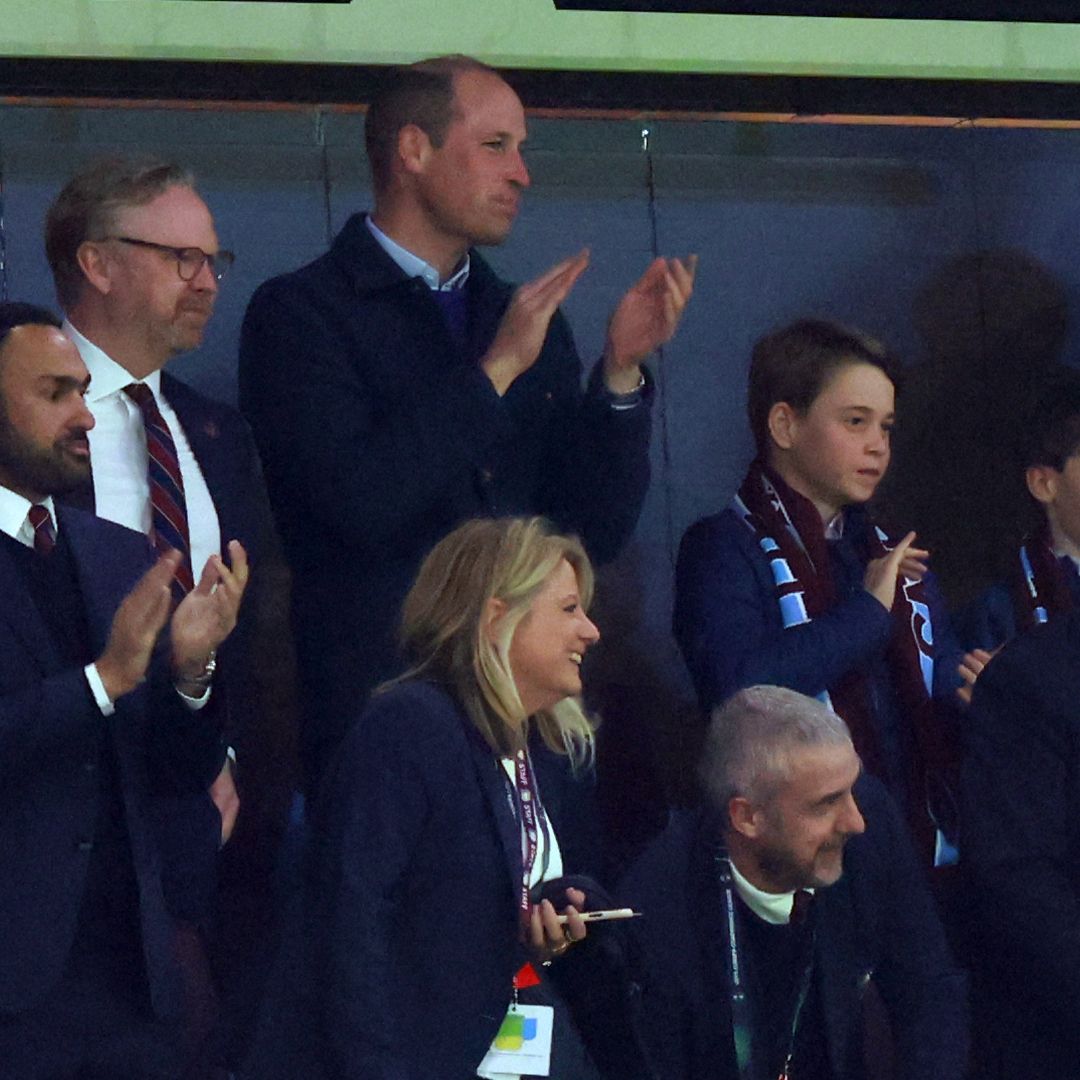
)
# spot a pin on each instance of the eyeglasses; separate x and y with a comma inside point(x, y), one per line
point(189, 260)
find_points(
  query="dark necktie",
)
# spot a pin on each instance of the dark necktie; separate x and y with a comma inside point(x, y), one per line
point(454, 305)
point(44, 530)
point(800, 907)
point(168, 505)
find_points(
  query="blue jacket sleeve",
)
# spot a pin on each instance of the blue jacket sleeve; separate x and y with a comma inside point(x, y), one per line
point(728, 625)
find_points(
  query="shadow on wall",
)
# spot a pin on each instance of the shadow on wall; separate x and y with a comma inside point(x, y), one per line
point(651, 728)
point(992, 325)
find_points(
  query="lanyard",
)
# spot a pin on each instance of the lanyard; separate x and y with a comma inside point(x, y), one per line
point(524, 799)
point(741, 1019)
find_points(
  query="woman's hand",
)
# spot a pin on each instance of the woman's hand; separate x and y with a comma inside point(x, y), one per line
point(550, 938)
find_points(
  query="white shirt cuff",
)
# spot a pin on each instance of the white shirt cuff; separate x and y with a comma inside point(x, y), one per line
point(195, 703)
point(97, 688)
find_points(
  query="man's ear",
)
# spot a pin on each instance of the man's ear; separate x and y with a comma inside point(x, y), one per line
point(494, 610)
point(96, 265)
point(782, 422)
point(745, 818)
point(1042, 482)
point(414, 148)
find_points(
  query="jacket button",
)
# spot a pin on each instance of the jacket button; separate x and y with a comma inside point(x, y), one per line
point(90, 767)
point(85, 845)
point(487, 475)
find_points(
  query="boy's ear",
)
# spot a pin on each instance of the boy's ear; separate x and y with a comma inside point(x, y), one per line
point(1042, 482)
point(782, 422)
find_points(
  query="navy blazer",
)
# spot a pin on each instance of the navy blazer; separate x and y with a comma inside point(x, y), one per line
point(380, 433)
point(730, 631)
point(49, 731)
point(414, 890)
point(878, 922)
point(1021, 803)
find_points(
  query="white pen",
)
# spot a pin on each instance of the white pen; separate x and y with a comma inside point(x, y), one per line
point(605, 916)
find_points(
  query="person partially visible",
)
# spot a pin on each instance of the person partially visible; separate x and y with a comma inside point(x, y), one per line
point(793, 584)
point(136, 262)
point(104, 708)
point(1021, 825)
point(772, 914)
point(445, 835)
point(397, 386)
point(1045, 581)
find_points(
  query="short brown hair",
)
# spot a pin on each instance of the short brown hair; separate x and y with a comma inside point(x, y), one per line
point(420, 94)
point(85, 207)
point(793, 365)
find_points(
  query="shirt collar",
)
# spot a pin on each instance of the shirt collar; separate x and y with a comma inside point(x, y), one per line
point(834, 530)
point(13, 515)
point(413, 266)
point(774, 908)
point(106, 375)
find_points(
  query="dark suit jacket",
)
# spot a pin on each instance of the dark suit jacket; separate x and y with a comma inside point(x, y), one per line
point(414, 889)
point(49, 727)
point(255, 662)
point(878, 922)
point(1022, 849)
point(380, 434)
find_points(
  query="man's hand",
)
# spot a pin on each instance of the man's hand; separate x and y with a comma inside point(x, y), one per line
point(971, 667)
point(225, 797)
point(881, 575)
point(524, 326)
point(207, 615)
point(548, 937)
point(135, 628)
point(646, 318)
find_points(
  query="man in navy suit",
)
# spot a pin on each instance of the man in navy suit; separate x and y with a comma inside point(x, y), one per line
point(397, 386)
point(781, 904)
point(1021, 828)
point(136, 262)
point(98, 717)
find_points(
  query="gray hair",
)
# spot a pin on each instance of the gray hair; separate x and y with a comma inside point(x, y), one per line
point(754, 737)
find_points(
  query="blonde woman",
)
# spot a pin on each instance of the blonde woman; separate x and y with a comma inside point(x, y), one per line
point(440, 823)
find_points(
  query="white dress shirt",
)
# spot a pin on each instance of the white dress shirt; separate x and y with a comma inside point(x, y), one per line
point(15, 522)
point(554, 867)
point(120, 460)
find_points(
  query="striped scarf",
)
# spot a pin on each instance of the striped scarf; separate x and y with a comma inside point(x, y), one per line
point(788, 528)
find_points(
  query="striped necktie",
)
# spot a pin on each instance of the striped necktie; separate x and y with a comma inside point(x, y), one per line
point(168, 505)
point(44, 530)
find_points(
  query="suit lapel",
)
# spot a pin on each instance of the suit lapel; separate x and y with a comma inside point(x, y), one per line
point(105, 574)
point(203, 434)
point(21, 613)
point(713, 1033)
point(838, 981)
point(495, 785)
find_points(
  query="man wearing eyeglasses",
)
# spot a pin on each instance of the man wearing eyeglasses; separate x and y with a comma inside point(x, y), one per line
point(136, 262)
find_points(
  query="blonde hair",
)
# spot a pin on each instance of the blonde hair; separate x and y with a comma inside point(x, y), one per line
point(445, 617)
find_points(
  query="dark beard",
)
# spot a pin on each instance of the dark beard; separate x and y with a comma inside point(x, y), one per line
point(47, 472)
